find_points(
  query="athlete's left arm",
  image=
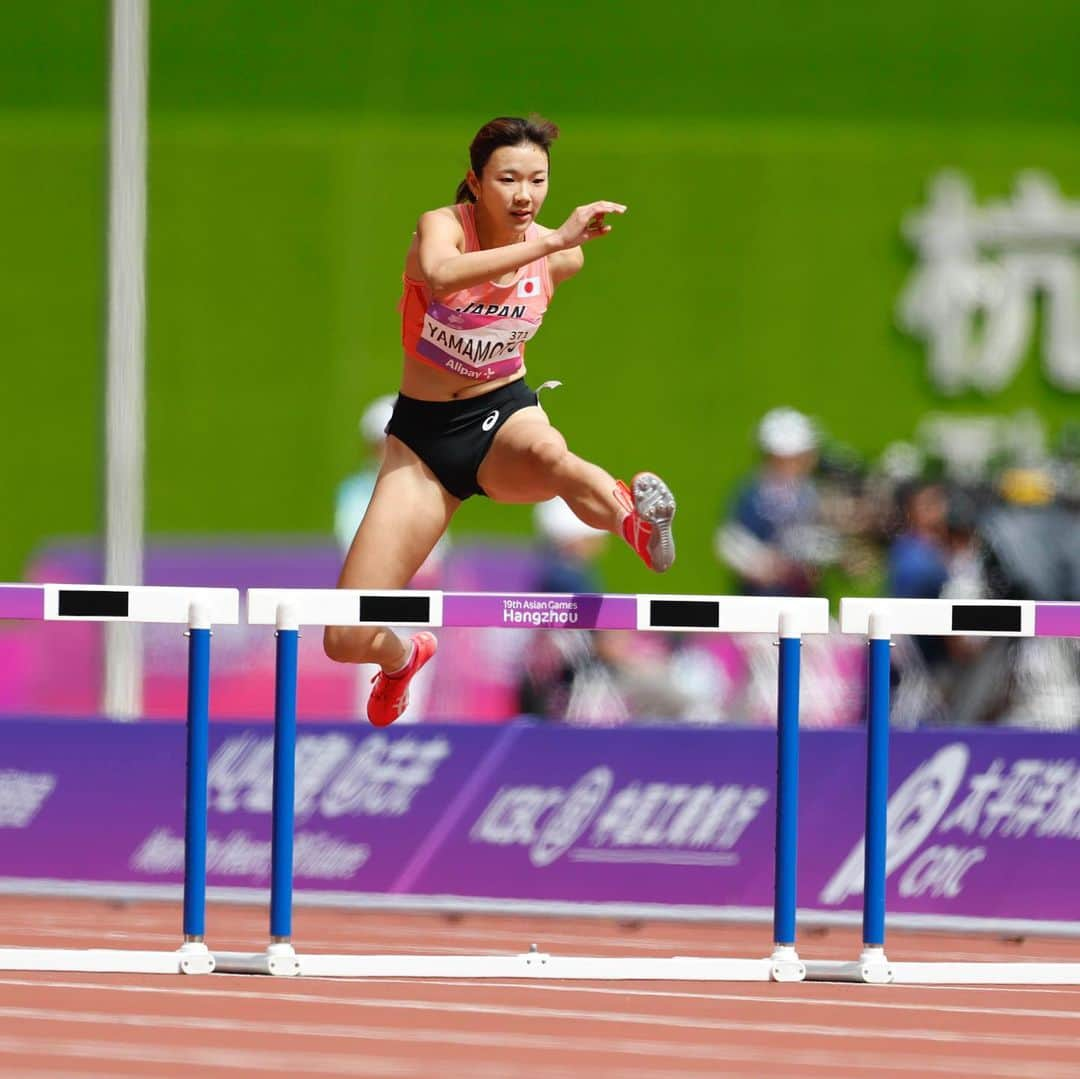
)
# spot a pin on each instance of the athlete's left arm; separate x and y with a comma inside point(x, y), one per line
point(564, 264)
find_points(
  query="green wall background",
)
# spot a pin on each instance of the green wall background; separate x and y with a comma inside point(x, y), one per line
point(767, 155)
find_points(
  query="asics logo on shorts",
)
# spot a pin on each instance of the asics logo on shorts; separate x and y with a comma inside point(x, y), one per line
point(490, 420)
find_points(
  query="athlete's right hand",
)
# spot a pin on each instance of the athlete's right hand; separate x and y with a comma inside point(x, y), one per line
point(586, 223)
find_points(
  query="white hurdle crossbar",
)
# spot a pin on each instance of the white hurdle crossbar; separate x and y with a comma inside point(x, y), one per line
point(879, 620)
point(288, 609)
point(199, 609)
point(107, 603)
point(668, 613)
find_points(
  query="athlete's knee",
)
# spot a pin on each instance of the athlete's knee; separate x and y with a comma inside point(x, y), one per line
point(548, 452)
point(347, 644)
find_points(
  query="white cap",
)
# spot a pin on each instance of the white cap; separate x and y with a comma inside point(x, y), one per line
point(784, 432)
point(376, 416)
point(557, 523)
point(902, 461)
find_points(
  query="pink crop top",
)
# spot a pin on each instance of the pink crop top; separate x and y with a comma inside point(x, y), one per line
point(478, 332)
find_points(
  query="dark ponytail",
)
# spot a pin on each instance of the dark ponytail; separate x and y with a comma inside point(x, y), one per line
point(464, 194)
point(505, 131)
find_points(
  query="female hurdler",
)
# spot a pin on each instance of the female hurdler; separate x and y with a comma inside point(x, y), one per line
point(478, 279)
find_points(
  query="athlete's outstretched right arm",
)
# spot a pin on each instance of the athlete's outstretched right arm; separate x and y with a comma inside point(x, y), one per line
point(447, 268)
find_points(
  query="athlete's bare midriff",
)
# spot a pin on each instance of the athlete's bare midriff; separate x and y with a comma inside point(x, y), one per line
point(427, 383)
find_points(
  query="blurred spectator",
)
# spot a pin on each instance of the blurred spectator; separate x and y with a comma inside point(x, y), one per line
point(849, 554)
point(967, 576)
point(1029, 548)
point(354, 493)
point(773, 539)
point(919, 568)
point(918, 557)
point(569, 549)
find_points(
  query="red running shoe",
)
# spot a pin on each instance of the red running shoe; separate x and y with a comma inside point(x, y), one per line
point(647, 526)
point(390, 695)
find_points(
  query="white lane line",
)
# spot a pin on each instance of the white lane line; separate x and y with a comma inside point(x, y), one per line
point(39, 1073)
point(189, 1055)
point(860, 994)
point(857, 1001)
point(670, 1052)
point(669, 994)
point(1057, 990)
point(1068, 991)
point(626, 1018)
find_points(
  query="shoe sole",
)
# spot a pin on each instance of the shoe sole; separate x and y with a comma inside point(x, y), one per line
point(655, 503)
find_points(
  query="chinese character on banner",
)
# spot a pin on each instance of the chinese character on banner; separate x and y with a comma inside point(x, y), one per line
point(972, 297)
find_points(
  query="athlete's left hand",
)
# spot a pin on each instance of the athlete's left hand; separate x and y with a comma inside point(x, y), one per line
point(586, 223)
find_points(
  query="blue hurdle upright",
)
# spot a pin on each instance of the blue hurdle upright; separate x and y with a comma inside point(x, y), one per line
point(199, 609)
point(879, 620)
point(289, 609)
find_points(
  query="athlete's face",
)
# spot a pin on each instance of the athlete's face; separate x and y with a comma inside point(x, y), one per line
point(513, 186)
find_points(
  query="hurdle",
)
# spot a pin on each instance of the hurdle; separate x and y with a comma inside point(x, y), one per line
point(199, 609)
point(290, 609)
point(879, 620)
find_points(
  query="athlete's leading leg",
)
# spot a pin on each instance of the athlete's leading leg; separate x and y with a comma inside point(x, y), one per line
point(530, 462)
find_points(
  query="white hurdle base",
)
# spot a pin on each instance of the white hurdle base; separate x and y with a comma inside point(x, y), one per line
point(189, 958)
point(532, 964)
point(876, 970)
point(986, 973)
point(871, 967)
point(279, 960)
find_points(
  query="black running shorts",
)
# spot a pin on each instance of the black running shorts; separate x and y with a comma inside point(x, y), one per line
point(453, 437)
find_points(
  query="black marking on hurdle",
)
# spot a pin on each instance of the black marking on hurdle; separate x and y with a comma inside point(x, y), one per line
point(971, 618)
point(679, 613)
point(395, 609)
point(87, 603)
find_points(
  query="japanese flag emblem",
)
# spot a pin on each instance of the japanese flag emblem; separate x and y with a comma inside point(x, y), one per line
point(528, 287)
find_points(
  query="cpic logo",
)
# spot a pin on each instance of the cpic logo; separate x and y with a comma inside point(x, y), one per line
point(643, 822)
point(547, 820)
point(570, 819)
point(914, 812)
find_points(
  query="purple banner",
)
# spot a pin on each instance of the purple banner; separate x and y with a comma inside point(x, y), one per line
point(656, 815)
point(981, 823)
point(96, 801)
point(687, 817)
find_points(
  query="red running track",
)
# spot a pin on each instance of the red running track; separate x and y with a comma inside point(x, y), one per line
point(80, 1026)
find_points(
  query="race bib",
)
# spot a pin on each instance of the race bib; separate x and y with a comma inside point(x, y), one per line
point(478, 345)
